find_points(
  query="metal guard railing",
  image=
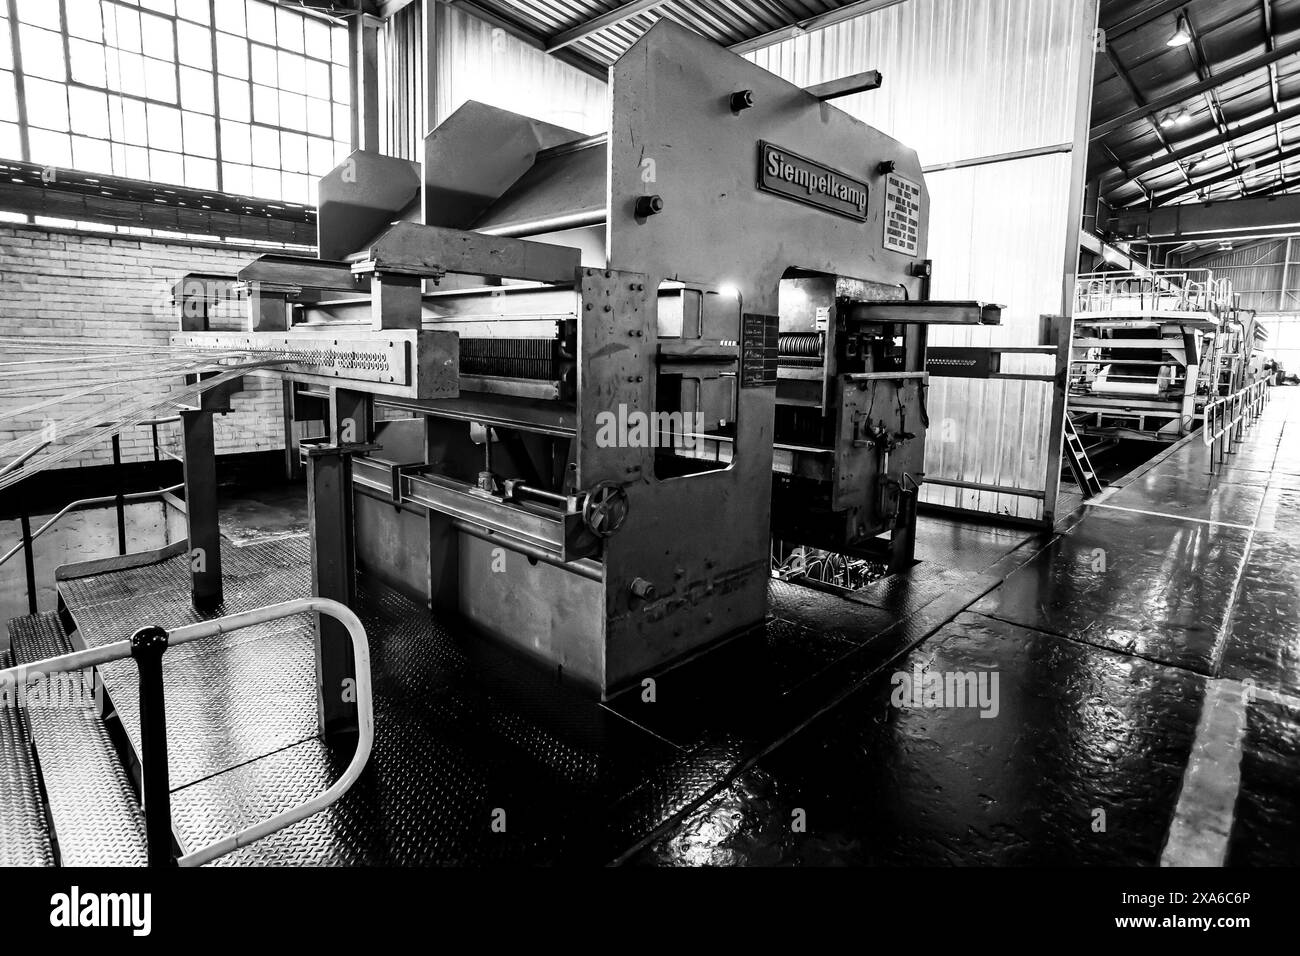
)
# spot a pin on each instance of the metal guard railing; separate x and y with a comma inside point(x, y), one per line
point(1159, 290)
point(119, 500)
point(1227, 418)
point(86, 503)
point(146, 647)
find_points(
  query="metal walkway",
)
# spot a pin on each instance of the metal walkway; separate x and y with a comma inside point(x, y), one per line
point(24, 837)
point(94, 812)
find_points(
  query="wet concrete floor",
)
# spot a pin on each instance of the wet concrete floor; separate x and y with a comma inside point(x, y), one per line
point(1175, 588)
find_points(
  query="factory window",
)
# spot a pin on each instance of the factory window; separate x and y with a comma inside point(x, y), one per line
point(240, 96)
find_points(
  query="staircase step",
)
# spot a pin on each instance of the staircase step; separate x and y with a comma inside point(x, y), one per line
point(24, 839)
point(94, 812)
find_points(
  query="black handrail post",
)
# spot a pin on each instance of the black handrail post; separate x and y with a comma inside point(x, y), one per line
point(147, 648)
point(153, 428)
point(30, 563)
point(121, 504)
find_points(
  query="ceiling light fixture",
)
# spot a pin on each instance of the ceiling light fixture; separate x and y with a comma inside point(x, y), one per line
point(1176, 118)
point(1182, 35)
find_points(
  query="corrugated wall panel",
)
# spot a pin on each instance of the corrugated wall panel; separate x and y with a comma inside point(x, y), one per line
point(402, 64)
point(477, 61)
point(963, 81)
point(1271, 252)
point(986, 244)
point(1257, 273)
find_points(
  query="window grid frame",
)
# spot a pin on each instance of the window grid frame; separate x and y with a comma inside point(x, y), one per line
point(339, 140)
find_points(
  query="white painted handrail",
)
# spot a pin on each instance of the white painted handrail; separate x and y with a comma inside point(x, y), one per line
point(1225, 418)
point(1230, 409)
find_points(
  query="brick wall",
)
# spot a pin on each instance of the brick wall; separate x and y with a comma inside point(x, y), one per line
point(116, 289)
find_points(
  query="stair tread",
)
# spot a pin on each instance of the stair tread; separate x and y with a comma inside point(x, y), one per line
point(96, 818)
point(24, 839)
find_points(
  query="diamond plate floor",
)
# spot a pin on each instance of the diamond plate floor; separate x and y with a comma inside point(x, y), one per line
point(23, 837)
point(94, 812)
point(230, 698)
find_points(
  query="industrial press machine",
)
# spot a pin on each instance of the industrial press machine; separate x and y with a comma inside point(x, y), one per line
point(575, 385)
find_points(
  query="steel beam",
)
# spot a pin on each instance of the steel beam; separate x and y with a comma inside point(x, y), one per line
point(1257, 216)
point(820, 22)
point(1195, 187)
point(1230, 135)
point(1274, 187)
point(1136, 95)
point(364, 60)
point(413, 249)
point(333, 575)
point(614, 17)
point(575, 60)
point(845, 86)
point(1196, 89)
point(1119, 27)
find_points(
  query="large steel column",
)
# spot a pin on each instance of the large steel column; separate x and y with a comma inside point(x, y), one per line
point(333, 553)
point(201, 509)
point(363, 30)
point(333, 575)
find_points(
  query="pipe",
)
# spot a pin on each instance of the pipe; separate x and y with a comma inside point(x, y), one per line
point(536, 227)
point(582, 567)
point(524, 493)
point(21, 459)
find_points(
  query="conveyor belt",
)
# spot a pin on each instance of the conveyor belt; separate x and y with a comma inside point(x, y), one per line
point(94, 811)
point(23, 837)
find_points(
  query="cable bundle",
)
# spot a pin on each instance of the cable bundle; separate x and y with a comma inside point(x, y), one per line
point(126, 384)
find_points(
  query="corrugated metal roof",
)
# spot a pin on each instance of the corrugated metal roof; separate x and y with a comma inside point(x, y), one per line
point(1138, 67)
point(724, 21)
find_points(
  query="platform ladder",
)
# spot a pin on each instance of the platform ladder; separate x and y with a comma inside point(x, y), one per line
point(1076, 456)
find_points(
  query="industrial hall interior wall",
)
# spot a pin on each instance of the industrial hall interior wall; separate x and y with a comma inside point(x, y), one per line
point(115, 290)
point(965, 82)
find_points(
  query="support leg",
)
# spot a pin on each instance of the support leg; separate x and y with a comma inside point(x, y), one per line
point(333, 575)
point(902, 543)
point(201, 510)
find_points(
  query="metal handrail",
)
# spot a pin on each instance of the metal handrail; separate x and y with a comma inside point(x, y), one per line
point(24, 458)
point(1226, 417)
point(1195, 290)
point(120, 499)
point(120, 650)
point(86, 503)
